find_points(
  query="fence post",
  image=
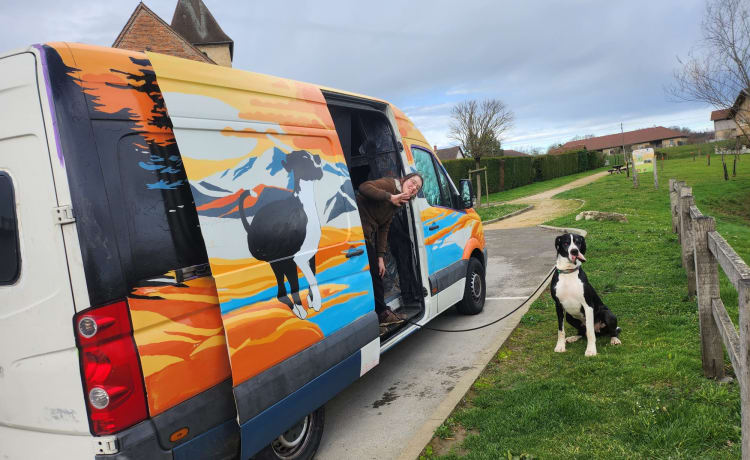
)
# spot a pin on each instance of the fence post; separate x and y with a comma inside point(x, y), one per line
point(743, 374)
point(686, 230)
point(678, 184)
point(707, 283)
point(673, 203)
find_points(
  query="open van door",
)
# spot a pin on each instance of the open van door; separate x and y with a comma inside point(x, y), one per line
point(282, 231)
point(38, 356)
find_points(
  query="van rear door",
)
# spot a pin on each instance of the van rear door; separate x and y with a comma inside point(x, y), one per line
point(38, 356)
point(283, 236)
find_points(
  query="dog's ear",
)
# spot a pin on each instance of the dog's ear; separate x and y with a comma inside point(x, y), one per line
point(558, 242)
point(582, 247)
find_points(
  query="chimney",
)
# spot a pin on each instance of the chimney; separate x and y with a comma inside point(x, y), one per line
point(435, 149)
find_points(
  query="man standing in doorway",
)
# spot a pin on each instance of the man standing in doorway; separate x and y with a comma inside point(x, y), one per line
point(378, 201)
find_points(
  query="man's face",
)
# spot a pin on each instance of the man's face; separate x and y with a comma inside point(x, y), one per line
point(412, 186)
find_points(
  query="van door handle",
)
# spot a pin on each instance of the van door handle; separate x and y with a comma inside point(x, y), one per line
point(356, 253)
point(433, 227)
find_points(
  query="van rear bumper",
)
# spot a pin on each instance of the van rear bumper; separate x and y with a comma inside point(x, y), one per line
point(212, 431)
point(140, 443)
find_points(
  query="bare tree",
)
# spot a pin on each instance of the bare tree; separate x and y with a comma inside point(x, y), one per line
point(478, 126)
point(717, 71)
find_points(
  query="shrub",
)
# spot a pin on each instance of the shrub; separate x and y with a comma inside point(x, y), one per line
point(525, 170)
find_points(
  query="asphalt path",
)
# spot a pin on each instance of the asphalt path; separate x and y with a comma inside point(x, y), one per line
point(392, 411)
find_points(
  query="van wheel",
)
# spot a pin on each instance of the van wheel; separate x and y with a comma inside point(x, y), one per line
point(475, 291)
point(299, 442)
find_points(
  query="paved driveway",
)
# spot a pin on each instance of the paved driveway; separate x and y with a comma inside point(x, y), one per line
point(393, 410)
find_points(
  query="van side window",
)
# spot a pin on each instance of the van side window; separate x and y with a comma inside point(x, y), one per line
point(436, 188)
point(10, 258)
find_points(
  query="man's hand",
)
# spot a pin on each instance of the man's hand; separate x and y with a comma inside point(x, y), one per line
point(381, 267)
point(400, 199)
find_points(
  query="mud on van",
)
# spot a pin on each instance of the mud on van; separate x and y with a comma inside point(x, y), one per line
point(182, 265)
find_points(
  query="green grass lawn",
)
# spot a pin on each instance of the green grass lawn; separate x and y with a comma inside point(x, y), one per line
point(644, 399)
point(500, 210)
point(687, 151)
point(537, 187)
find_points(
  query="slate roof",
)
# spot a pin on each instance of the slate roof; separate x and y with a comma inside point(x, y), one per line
point(194, 21)
point(451, 153)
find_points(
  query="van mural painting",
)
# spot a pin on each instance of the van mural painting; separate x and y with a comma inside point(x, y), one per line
point(269, 173)
point(283, 234)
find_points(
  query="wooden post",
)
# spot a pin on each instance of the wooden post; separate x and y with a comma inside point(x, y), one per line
point(678, 184)
point(743, 374)
point(656, 174)
point(673, 202)
point(707, 284)
point(686, 230)
point(479, 190)
point(708, 157)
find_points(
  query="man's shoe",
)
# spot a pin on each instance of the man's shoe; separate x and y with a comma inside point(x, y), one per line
point(387, 317)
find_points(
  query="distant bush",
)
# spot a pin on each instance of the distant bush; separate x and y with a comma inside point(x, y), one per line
point(525, 170)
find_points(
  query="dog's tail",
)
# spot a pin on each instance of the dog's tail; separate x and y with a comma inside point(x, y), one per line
point(243, 216)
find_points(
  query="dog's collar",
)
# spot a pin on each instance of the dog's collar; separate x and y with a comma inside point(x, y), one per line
point(570, 270)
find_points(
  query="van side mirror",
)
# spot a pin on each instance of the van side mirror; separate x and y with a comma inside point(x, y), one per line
point(467, 193)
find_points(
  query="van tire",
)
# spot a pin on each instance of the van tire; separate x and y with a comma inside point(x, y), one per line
point(475, 290)
point(300, 442)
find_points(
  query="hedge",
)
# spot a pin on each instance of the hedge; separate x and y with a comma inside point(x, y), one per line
point(525, 170)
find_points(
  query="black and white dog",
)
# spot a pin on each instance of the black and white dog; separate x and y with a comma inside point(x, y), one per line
point(577, 300)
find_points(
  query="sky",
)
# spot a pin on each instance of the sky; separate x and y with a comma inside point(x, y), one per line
point(565, 69)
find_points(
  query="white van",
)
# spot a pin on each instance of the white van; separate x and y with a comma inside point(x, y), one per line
point(182, 265)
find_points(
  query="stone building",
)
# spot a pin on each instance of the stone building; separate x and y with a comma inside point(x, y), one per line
point(724, 124)
point(194, 34)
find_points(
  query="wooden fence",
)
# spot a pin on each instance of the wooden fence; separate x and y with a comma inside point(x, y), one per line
point(703, 251)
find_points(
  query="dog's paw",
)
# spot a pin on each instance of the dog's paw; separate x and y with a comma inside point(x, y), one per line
point(573, 338)
point(560, 348)
point(615, 341)
point(299, 311)
point(590, 352)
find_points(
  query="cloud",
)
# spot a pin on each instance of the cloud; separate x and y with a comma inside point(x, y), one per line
point(564, 68)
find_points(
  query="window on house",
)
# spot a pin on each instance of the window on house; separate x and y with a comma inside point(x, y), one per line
point(10, 258)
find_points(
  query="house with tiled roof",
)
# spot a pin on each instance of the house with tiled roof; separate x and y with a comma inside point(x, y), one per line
point(194, 34)
point(655, 137)
point(725, 126)
point(450, 153)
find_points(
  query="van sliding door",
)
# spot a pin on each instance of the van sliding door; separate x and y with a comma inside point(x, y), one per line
point(282, 231)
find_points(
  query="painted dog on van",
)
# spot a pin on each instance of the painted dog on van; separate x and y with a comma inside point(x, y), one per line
point(286, 233)
point(577, 300)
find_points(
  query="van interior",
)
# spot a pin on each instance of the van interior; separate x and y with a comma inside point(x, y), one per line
point(372, 152)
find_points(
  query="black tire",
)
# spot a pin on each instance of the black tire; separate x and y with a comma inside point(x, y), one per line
point(299, 442)
point(475, 291)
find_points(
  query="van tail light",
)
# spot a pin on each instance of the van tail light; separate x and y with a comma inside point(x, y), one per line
point(110, 368)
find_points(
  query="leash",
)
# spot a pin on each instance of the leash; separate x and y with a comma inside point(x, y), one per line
point(488, 324)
